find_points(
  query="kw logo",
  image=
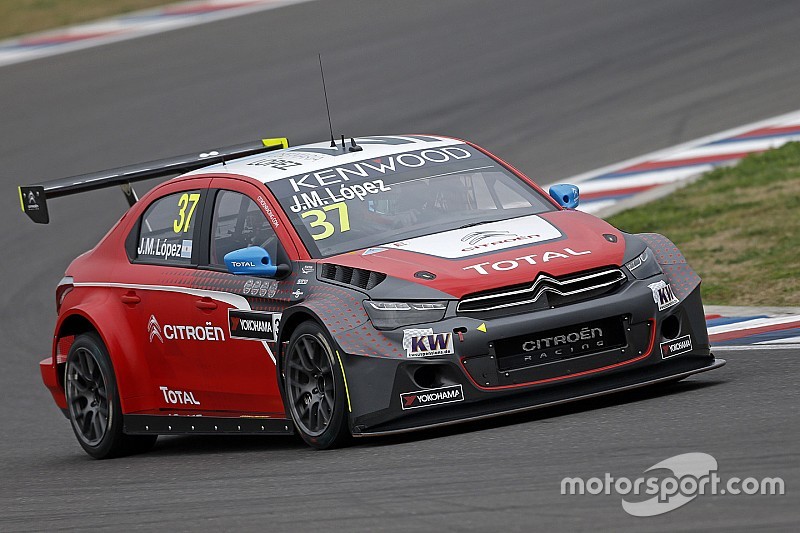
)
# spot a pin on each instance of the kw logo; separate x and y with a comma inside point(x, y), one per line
point(431, 344)
point(154, 329)
point(663, 295)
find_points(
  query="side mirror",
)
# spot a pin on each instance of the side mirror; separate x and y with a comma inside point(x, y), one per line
point(567, 196)
point(252, 261)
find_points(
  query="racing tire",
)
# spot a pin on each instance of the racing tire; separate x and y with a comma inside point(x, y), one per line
point(93, 404)
point(314, 388)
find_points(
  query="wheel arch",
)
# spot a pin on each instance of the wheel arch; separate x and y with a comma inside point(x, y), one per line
point(74, 324)
point(79, 320)
point(290, 319)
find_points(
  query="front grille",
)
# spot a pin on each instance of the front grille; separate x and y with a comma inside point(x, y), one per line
point(545, 292)
point(358, 277)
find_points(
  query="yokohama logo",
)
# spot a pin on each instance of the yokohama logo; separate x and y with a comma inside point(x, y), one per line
point(676, 347)
point(414, 400)
point(253, 325)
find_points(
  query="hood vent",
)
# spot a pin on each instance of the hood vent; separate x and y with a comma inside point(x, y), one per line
point(358, 277)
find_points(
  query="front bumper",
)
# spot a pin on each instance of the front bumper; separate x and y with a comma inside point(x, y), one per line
point(472, 382)
point(551, 396)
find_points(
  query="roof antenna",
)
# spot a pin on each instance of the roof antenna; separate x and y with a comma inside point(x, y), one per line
point(328, 107)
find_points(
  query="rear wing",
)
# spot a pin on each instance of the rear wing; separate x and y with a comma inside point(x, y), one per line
point(33, 198)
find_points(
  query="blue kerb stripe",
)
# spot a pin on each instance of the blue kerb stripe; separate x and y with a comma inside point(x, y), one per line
point(635, 172)
point(759, 337)
point(606, 198)
point(731, 320)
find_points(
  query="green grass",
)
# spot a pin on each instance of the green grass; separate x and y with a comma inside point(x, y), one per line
point(18, 17)
point(739, 227)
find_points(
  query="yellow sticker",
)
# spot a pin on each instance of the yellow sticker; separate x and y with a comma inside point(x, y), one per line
point(283, 142)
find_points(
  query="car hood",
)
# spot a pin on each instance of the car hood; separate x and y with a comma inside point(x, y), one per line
point(496, 254)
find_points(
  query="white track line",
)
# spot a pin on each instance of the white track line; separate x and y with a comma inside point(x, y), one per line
point(753, 324)
point(128, 28)
point(780, 120)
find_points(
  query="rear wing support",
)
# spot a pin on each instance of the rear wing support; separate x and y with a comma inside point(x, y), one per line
point(33, 198)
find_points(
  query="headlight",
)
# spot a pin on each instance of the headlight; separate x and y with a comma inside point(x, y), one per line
point(390, 315)
point(644, 266)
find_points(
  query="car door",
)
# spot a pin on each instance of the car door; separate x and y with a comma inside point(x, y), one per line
point(242, 370)
point(161, 307)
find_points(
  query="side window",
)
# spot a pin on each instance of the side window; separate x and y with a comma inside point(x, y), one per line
point(167, 229)
point(238, 222)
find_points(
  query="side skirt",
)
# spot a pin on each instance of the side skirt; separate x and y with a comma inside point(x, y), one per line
point(204, 425)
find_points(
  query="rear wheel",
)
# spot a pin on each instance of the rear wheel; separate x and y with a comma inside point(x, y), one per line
point(93, 402)
point(314, 388)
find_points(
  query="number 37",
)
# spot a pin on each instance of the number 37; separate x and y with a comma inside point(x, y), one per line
point(181, 224)
point(320, 221)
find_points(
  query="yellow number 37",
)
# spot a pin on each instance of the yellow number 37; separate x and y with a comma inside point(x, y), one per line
point(320, 221)
point(184, 220)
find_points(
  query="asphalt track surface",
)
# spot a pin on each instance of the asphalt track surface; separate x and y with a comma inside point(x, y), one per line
point(555, 87)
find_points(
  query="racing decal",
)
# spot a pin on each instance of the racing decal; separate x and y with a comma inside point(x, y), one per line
point(676, 347)
point(425, 398)
point(272, 218)
point(154, 329)
point(360, 180)
point(178, 397)
point(208, 332)
point(663, 295)
point(424, 342)
point(260, 288)
point(287, 159)
point(340, 224)
point(33, 201)
point(307, 269)
point(253, 325)
point(531, 259)
point(186, 206)
point(302, 281)
point(560, 343)
point(370, 251)
point(165, 248)
point(492, 237)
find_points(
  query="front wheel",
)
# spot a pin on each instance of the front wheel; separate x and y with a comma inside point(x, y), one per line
point(314, 387)
point(93, 402)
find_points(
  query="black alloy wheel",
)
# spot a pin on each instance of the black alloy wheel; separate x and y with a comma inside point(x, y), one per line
point(87, 397)
point(93, 403)
point(314, 387)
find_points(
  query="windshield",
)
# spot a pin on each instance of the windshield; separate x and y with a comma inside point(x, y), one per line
point(403, 196)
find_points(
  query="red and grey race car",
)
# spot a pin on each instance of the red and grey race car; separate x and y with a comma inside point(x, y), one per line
point(354, 289)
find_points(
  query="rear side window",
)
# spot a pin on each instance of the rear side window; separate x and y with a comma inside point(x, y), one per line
point(239, 223)
point(167, 229)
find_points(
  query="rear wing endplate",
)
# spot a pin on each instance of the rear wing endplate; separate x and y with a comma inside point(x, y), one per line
point(33, 198)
